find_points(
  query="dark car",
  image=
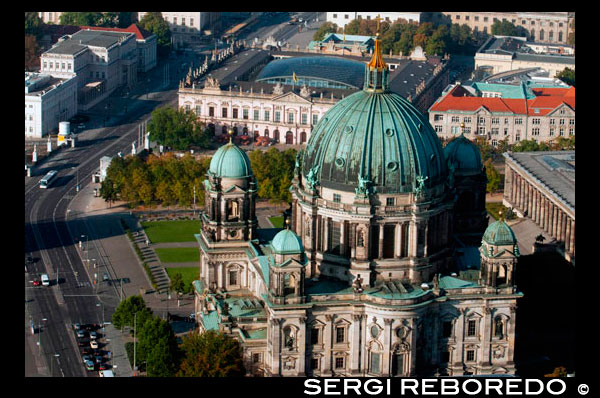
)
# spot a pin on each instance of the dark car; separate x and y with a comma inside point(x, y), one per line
point(82, 343)
point(81, 333)
point(93, 335)
point(76, 326)
point(99, 359)
point(102, 366)
point(105, 276)
point(87, 351)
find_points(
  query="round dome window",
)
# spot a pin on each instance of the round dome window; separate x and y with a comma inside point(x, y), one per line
point(339, 162)
point(389, 132)
point(392, 166)
point(348, 129)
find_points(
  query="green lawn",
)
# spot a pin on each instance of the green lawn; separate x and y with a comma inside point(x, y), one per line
point(172, 231)
point(189, 274)
point(494, 208)
point(277, 221)
point(178, 254)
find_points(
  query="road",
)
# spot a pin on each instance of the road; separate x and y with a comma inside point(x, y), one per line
point(277, 26)
point(48, 237)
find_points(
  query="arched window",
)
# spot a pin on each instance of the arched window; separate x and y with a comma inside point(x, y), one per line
point(233, 277)
point(276, 135)
point(289, 340)
point(303, 137)
point(266, 132)
point(289, 138)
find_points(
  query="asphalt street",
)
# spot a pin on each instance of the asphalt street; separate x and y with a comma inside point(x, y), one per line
point(49, 240)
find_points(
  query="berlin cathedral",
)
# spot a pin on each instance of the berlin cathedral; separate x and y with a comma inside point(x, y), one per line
point(387, 265)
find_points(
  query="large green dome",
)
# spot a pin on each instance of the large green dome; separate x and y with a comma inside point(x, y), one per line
point(499, 233)
point(464, 155)
point(375, 136)
point(230, 162)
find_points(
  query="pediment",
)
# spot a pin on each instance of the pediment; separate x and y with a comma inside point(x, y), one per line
point(290, 97)
point(234, 189)
point(556, 111)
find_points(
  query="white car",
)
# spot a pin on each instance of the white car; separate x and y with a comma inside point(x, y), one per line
point(45, 280)
point(93, 344)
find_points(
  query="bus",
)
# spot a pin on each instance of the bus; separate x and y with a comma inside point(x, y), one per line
point(48, 179)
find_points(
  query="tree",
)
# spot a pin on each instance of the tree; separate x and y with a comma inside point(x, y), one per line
point(567, 75)
point(154, 22)
point(327, 27)
point(124, 19)
point(32, 56)
point(161, 360)
point(126, 310)
point(33, 24)
point(211, 354)
point(178, 129)
point(151, 334)
point(82, 18)
point(493, 177)
point(437, 42)
point(177, 283)
point(504, 28)
point(108, 191)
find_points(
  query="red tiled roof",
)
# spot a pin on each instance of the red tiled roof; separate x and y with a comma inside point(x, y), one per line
point(140, 33)
point(547, 100)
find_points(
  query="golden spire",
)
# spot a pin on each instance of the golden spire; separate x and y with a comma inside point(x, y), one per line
point(230, 132)
point(377, 60)
point(501, 216)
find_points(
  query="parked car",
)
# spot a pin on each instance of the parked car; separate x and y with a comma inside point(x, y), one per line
point(87, 351)
point(86, 358)
point(81, 333)
point(89, 365)
point(82, 343)
point(76, 326)
point(105, 276)
point(94, 344)
point(99, 359)
point(37, 283)
point(102, 366)
point(93, 335)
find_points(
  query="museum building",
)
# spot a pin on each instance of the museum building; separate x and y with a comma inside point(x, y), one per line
point(373, 274)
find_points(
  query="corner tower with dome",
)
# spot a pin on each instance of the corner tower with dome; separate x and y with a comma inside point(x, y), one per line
point(365, 279)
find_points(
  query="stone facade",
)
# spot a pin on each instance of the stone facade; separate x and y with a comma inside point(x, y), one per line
point(529, 195)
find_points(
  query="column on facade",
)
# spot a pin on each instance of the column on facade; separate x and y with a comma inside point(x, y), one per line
point(457, 354)
point(513, 186)
point(276, 346)
point(413, 349)
point(398, 240)
point(568, 236)
point(412, 239)
point(356, 344)
point(301, 339)
point(325, 239)
point(542, 221)
point(548, 216)
point(521, 192)
point(327, 344)
point(572, 238)
point(381, 228)
point(387, 345)
point(555, 222)
point(510, 332)
point(487, 320)
point(220, 274)
point(561, 225)
point(534, 206)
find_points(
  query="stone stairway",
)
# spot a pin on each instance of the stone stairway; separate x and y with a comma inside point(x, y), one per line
point(151, 259)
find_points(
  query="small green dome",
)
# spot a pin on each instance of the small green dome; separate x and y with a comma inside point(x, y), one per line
point(287, 242)
point(230, 162)
point(464, 155)
point(499, 233)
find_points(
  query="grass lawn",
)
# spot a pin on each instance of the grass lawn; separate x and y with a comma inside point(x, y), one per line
point(494, 208)
point(189, 274)
point(172, 231)
point(178, 254)
point(277, 221)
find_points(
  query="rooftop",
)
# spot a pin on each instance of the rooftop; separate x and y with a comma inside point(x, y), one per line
point(555, 170)
point(84, 38)
point(518, 48)
point(37, 84)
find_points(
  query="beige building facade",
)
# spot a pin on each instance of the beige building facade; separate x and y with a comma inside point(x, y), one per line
point(286, 115)
point(550, 27)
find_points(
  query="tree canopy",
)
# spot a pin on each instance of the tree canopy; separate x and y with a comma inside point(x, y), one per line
point(493, 177)
point(327, 27)
point(33, 24)
point(157, 346)
point(32, 56)
point(126, 310)
point(274, 171)
point(567, 75)
point(155, 23)
point(211, 354)
point(178, 129)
